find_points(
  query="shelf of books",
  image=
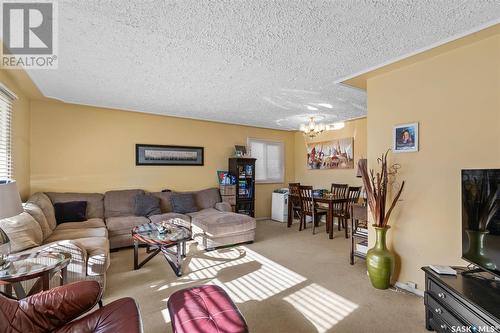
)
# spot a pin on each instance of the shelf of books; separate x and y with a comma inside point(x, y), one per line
point(243, 169)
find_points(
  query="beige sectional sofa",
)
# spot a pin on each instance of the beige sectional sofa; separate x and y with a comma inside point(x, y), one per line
point(110, 219)
point(87, 241)
point(213, 225)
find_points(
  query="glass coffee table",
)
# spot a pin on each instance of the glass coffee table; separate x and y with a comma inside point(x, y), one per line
point(38, 265)
point(167, 237)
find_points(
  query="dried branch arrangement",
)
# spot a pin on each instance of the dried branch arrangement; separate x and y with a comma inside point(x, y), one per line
point(481, 201)
point(376, 187)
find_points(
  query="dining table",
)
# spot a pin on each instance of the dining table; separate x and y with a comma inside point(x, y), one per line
point(325, 199)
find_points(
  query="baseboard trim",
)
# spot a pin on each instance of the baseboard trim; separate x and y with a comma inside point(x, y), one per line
point(262, 218)
point(405, 286)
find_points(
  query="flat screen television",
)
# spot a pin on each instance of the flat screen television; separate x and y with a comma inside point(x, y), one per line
point(481, 218)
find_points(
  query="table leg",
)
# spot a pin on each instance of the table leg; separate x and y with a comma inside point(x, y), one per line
point(45, 281)
point(64, 276)
point(138, 264)
point(8, 289)
point(290, 213)
point(352, 242)
point(327, 229)
point(136, 255)
point(18, 288)
point(179, 262)
point(183, 246)
point(330, 210)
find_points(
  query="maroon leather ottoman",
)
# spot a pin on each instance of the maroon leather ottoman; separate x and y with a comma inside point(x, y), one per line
point(205, 309)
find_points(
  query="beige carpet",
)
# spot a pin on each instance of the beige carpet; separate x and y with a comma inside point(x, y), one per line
point(287, 281)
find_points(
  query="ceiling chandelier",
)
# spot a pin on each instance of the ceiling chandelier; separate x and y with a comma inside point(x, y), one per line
point(312, 129)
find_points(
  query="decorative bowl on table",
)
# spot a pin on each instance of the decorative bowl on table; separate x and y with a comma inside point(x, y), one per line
point(164, 228)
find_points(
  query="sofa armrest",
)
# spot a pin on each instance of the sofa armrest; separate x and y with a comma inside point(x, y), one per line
point(119, 316)
point(223, 207)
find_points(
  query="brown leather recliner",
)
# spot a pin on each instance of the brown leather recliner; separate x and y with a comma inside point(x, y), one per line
point(55, 310)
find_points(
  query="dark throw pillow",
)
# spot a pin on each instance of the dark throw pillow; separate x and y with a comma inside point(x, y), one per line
point(183, 203)
point(71, 211)
point(147, 205)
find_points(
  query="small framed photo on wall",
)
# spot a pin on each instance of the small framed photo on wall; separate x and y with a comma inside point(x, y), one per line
point(405, 138)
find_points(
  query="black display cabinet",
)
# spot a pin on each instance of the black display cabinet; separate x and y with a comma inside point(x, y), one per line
point(244, 171)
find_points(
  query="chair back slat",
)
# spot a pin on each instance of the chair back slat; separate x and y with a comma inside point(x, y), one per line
point(353, 194)
point(294, 195)
point(306, 199)
point(339, 191)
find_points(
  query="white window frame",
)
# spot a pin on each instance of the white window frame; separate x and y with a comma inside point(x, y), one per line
point(274, 142)
point(6, 128)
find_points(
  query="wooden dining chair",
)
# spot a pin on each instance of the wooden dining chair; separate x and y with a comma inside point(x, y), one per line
point(309, 208)
point(294, 197)
point(353, 194)
point(338, 191)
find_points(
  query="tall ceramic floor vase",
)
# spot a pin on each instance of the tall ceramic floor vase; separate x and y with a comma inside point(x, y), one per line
point(475, 252)
point(380, 261)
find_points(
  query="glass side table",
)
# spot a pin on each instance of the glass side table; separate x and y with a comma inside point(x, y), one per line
point(41, 266)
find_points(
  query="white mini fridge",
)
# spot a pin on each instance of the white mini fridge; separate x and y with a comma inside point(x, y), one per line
point(280, 205)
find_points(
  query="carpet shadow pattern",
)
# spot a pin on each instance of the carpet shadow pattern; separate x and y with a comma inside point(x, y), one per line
point(274, 297)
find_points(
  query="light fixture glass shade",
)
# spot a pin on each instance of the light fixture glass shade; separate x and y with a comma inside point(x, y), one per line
point(10, 201)
point(4, 248)
point(339, 125)
point(312, 125)
point(311, 129)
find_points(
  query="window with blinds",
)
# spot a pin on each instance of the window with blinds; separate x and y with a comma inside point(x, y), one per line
point(270, 163)
point(6, 99)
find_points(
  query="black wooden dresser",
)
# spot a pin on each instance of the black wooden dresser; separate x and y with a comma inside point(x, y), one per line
point(462, 303)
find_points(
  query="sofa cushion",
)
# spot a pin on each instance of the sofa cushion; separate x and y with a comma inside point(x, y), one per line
point(95, 201)
point(207, 198)
point(119, 241)
point(147, 205)
point(167, 216)
point(43, 201)
point(90, 223)
point(71, 211)
point(124, 224)
point(164, 197)
point(215, 223)
point(37, 213)
point(23, 230)
point(97, 254)
point(120, 203)
point(76, 233)
point(223, 207)
point(183, 203)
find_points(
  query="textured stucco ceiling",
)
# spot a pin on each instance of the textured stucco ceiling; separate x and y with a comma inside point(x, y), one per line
point(261, 63)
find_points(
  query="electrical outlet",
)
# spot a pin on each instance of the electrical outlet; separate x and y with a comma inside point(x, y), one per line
point(412, 285)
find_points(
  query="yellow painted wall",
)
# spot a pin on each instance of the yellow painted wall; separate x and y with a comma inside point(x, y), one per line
point(324, 178)
point(82, 148)
point(455, 98)
point(20, 134)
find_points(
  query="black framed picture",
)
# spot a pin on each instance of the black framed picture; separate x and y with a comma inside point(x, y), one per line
point(168, 155)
